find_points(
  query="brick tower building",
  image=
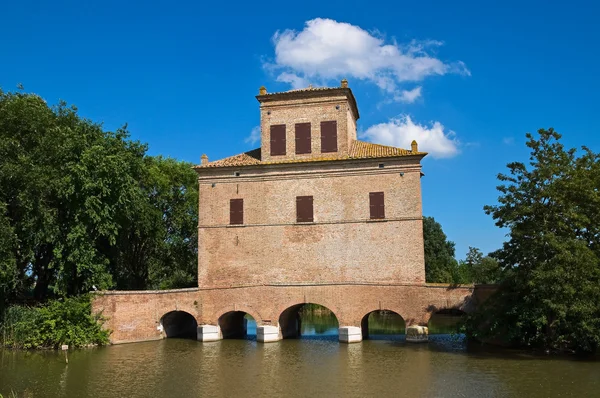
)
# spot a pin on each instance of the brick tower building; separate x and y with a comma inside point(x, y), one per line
point(313, 203)
point(312, 216)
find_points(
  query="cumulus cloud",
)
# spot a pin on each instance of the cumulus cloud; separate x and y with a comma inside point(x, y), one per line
point(400, 132)
point(326, 49)
point(294, 80)
point(409, 96)
point(254, 136)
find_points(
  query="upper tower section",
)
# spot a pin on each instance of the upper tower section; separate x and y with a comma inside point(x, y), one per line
point(305, 124)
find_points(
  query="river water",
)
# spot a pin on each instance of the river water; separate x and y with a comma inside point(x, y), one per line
point(314, 365)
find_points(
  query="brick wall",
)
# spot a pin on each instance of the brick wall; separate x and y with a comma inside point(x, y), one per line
point(302, 110)
point(342, 245)
point(135, 316)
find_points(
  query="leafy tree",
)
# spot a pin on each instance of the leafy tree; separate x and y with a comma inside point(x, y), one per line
point(549, 297)
point(159, 244)
point(440, 264)
point(8, 268)
point(175, 194)
point(66, 183)
point(478, 268)
point(81, 207)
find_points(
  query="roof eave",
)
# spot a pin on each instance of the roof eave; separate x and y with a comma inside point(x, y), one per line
point(419, 155)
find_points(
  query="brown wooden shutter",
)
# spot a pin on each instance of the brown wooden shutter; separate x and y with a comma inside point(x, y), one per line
point(304, 208)
point(236, 211)
point(329, 136)
point(376, 205)
point(302, 138)
point(278, 140)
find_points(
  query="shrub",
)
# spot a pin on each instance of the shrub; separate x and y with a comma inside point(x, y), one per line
point(66, 321)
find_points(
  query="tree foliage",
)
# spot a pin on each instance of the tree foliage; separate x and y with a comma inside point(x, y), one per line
point(549, 296)
point(477, 268)
point(81, 207)
point(440, 264)
point(68, 321)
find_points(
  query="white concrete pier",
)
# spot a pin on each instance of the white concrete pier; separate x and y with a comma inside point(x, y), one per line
point(417, 334)
point(209, 333)
point(350, 334)
point(267, 334)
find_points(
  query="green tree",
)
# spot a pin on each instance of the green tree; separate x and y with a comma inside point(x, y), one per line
point(81, 207)
point(440, 264)
point(549, 297)
point(478, 268)
point(8, 267)
point(66, 184)
point(158, 247)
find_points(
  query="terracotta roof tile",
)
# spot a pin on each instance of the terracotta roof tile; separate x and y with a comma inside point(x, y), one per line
point(358, 150)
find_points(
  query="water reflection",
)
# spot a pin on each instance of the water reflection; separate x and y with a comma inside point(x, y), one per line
point(308, 321)
point(317, 321)
point(294, 368)
point(383, 325)
point(448, 322)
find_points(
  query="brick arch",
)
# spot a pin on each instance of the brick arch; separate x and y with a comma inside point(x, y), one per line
point(253, 312)
point(432, 311)
point(279, 310)
point(368, 312)
point(464, 304)
point(164, 310)
point(364, 325)
point(178, 323)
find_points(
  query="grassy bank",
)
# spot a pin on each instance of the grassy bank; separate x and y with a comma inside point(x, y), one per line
point(65, 321)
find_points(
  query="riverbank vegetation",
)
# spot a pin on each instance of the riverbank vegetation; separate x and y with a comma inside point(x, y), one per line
point(65, 321)
point(441, 265)
point(82, 209)
point(549, 268)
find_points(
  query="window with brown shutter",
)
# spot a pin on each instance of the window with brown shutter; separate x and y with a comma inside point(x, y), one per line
point(236, 211)
point(302, 138)
point(278, 140)
point(304, 208)
point(329, 136)
point(376, 205)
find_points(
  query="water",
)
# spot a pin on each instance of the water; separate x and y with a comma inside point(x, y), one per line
point(316, 365)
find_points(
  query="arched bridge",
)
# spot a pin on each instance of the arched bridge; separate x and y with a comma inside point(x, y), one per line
point(213, 314)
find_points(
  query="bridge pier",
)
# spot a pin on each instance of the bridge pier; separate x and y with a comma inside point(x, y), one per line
point(417, 334)
point(268, 334)
point(209, 333)
point(350, 334)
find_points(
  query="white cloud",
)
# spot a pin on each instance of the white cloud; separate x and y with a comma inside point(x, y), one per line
point(508, 140)
point(254, 136)
point(400, 132)
point(326, 49)
point(409, 96)
point(294, 80)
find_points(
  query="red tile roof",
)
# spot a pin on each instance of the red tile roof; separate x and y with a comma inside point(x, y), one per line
point(358, 150)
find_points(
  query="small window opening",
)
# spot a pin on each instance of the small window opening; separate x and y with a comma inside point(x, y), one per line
point(377, 205)
point(304, 209)
point(236, 211)
point(381, 165)
point(236, 173)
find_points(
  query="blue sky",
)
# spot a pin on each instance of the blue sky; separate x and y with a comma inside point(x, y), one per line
point(469, 80)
